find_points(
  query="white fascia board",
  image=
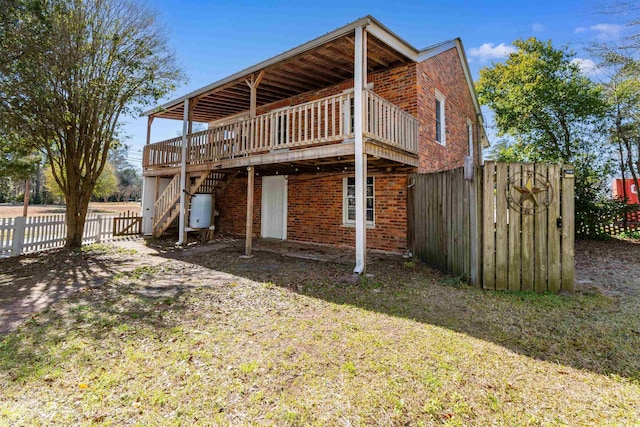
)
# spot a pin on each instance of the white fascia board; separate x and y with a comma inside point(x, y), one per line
point(467, 74)
point(435, 50)
point(431, 51)
point(386, 36)
point(335, 34)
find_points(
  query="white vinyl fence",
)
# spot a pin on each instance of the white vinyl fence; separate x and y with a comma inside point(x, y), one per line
point(22, 235)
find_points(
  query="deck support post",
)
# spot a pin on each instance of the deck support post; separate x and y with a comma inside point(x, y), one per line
point(249, 228)
point(360, 78)
point(149, 122)
point(253, 84)
point(183, 174)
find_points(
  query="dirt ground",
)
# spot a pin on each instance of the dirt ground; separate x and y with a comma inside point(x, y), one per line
point(32, 283)
point(14, 210)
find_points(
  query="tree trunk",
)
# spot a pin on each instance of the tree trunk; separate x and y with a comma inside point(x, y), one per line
point(76, 213)
point(27, 190)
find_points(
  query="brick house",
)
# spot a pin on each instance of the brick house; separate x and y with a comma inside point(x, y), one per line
point(317, 143)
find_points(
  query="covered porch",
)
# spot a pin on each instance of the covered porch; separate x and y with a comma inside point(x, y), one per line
point(309, 109)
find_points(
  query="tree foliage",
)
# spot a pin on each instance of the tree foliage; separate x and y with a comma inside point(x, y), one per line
point(543, 100)
point(107, 183)
point(17, 161)
point(551, 113)
point(129, 179)
point(71, 70)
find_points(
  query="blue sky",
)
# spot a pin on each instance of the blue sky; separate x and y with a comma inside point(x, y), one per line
point(214, 39)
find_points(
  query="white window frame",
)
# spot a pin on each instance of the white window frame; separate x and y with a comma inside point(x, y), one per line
point(441, 137)
point(345, 204)
point(470, 136)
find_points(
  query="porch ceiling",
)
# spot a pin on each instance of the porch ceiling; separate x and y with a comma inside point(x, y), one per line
point(325, 65)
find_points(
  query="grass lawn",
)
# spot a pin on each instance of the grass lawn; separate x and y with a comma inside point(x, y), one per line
point(277, 341)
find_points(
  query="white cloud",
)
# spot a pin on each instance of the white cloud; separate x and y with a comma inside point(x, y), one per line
point(490, 51)
point(587, 66)
point(537, 28)
point(607, 31)
point(604, 31)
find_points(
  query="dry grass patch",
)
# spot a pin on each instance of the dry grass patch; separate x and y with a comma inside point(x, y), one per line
point(300, 347)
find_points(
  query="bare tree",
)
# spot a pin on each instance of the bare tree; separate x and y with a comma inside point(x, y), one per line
point(73, 69)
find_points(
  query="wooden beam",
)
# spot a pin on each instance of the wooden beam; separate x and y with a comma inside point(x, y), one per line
point(324, 69)
point(380, 150)
point(300, 84)
point(192, 107)
point(313, 77)
point(249, 228)
point(286, 81)
point(253, 84)
point(344, 67)
point(269, 90)
point(149, 122)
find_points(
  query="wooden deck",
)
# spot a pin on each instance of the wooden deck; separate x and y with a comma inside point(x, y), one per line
point(318, 129)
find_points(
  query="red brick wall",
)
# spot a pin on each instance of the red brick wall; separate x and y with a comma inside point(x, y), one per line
point(443, 72)
point(315, 211)
point(232, 207)
point(315, 201)
point(397, 85)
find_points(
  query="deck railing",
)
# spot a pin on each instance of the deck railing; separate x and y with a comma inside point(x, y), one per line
point(316, 122)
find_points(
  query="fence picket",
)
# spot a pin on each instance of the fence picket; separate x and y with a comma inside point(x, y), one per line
point(514, 208)
point(502, 237)
point(553, 238)
point(515, 237)
point(23, 235)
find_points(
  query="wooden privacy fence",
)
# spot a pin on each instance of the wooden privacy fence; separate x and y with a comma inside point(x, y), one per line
point(443, 221)
point(23, 235)
point(506, 226)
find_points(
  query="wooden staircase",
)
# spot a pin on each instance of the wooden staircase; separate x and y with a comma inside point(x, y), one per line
point(167, 207)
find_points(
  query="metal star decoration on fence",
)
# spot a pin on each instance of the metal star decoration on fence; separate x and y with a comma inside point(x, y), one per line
point(528, 192)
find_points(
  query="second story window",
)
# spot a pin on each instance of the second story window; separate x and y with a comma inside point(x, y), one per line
point(440, 119)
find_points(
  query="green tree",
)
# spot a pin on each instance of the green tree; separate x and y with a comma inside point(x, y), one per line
point(540, 97)
point(553, 113)
point(622, 92)
point(71, 70)
point(107, 183)
point(129, 179)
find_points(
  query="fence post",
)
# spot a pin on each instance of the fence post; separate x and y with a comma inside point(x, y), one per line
point(99, 229)
point(19, 225)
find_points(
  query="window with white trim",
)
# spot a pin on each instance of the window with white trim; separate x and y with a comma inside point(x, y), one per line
point(349, 201)
point(440, 119)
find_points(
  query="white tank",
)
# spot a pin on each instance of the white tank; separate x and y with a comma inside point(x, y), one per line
point(200, 211)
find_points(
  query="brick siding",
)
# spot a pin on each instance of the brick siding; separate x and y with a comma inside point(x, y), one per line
point(315, 202)
point(315, 215)
point(444, 72)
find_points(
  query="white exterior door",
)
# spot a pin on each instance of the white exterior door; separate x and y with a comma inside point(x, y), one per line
point(274, 206)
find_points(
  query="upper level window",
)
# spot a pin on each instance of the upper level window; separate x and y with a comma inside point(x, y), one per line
point(440, 119)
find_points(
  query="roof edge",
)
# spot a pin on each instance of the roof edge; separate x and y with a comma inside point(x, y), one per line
point(312, 44)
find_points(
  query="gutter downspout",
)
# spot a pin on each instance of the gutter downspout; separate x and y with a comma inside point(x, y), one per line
point(183, 173)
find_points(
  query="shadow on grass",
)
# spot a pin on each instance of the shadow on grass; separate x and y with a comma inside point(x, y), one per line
point(585, 330)
point(102, 302)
